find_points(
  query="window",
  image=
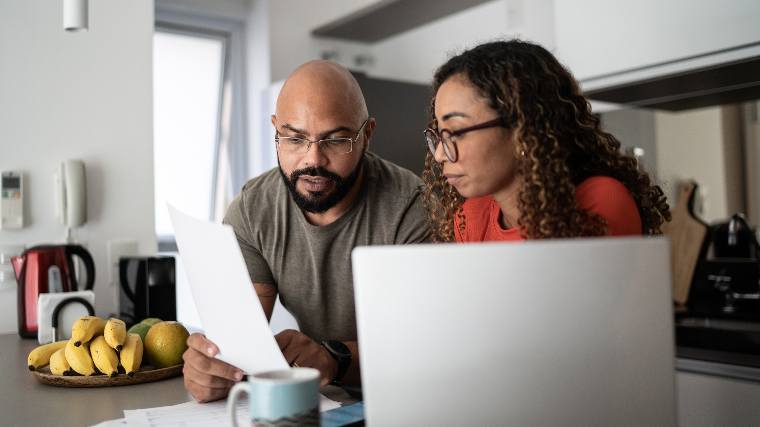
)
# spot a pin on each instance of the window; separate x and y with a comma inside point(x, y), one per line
point(199, 143)
point(187, 74)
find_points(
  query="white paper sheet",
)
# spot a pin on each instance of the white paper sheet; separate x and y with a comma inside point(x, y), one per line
point(121, 422)
point(187, 414)
point(227, 304)
point(192, 414)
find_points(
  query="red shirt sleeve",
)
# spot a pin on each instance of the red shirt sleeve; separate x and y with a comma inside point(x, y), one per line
point(610, 199)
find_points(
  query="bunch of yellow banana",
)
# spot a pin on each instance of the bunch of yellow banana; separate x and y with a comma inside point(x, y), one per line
point(132, 353)
point(115, 332)
point(104, 356)
point(40, 356)
point(86, 328)
point(96, 346)
point(79, 358)
point(59, 365)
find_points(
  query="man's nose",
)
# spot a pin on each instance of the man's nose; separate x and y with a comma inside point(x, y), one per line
point(315, 157)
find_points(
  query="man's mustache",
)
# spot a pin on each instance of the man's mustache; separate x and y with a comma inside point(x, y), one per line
point(314, 171)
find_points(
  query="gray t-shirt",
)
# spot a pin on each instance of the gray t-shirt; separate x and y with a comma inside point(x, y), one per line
point(311, 265)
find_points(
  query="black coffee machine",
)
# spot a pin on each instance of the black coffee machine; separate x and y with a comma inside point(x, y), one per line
point(726, 281)
point(148, 288)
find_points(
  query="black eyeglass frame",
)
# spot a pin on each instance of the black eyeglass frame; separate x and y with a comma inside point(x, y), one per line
point(434, 137)
point(309, 142)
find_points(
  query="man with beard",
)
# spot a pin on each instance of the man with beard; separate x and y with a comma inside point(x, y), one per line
point(297, 224)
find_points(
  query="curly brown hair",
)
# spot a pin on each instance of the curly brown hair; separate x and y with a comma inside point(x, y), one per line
point(562, 142)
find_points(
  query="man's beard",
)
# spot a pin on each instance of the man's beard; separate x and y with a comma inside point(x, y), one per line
point(320, 201)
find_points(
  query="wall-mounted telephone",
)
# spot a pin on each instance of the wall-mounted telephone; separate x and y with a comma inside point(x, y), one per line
point(11, 201)
point(71, 193)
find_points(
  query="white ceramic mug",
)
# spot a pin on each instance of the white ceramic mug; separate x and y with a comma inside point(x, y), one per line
point(278, 398)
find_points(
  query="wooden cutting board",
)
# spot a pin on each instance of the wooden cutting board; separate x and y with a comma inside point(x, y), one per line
point(687, 233)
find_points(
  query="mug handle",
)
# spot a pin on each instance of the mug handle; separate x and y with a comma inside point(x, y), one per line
point(237, 389)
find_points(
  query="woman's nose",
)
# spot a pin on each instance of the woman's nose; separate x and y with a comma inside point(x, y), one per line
point(439, 155)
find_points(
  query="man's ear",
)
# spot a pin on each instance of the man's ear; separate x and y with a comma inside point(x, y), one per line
point(274, 121)
point(369, 130)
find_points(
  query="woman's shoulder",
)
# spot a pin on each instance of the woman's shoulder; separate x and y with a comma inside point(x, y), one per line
point(601, 183)
point(611, 199)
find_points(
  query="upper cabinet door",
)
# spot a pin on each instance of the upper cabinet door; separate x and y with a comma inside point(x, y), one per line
point(597, 38)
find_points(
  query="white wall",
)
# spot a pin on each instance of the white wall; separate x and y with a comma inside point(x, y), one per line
point(691, 145)
point(752, 161)
point(79, 95)
point(258, 73)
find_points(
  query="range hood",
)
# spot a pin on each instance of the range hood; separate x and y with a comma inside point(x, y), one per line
point(718, 78)
point(722, 84)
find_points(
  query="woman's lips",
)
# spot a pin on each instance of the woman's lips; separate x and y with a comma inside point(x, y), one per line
point(452, 178)
point(315, 184)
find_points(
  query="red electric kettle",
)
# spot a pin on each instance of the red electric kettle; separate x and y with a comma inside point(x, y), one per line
point(44, 269)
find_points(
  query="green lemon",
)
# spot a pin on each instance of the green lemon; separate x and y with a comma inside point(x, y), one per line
point(165, 343)
point(140, 329)
point(150, 321)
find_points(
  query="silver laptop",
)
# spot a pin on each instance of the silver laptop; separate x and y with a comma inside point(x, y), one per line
point(562, 333)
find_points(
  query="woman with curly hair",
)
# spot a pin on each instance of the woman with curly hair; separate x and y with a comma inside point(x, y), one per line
point(515, 153)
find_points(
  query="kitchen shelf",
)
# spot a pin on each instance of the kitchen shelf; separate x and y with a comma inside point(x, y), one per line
point(390, 17)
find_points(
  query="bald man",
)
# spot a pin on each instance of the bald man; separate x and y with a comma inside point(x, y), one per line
point(297, 224)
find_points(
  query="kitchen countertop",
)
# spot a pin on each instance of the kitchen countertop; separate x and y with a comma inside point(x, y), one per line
point(26, 402)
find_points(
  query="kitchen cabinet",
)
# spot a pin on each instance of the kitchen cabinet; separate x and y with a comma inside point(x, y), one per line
point(709, 400)
point(599, 39)
point(388, 18)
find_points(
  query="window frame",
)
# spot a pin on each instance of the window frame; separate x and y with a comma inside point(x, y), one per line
point(232, 34)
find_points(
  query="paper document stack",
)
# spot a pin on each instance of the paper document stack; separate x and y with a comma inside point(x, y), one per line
point(193, 414)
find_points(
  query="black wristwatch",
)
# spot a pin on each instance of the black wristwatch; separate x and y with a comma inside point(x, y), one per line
point(342, 354)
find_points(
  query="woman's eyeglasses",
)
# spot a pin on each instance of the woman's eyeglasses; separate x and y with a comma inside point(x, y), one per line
point(434, 137)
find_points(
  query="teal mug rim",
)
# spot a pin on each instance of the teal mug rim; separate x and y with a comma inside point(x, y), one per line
point(288, 376)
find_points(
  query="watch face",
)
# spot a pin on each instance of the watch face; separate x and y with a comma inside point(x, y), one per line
point(338, 348)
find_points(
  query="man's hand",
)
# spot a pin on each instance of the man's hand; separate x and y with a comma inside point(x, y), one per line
point(300, 350)
point(207, 379)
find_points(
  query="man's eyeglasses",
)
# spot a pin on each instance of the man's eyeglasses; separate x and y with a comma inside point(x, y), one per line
point(329, 146)
point(434, 137)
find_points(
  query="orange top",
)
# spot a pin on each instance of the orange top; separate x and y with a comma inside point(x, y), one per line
point(602, 195)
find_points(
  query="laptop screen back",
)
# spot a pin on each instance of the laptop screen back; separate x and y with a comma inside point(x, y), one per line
point(564, 332)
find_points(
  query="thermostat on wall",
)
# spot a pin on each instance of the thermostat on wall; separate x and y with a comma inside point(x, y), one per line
point(11, 201)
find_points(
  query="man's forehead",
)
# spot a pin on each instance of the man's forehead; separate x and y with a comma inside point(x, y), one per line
point(315, 101)
point(316, 125)
point(317, 116)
